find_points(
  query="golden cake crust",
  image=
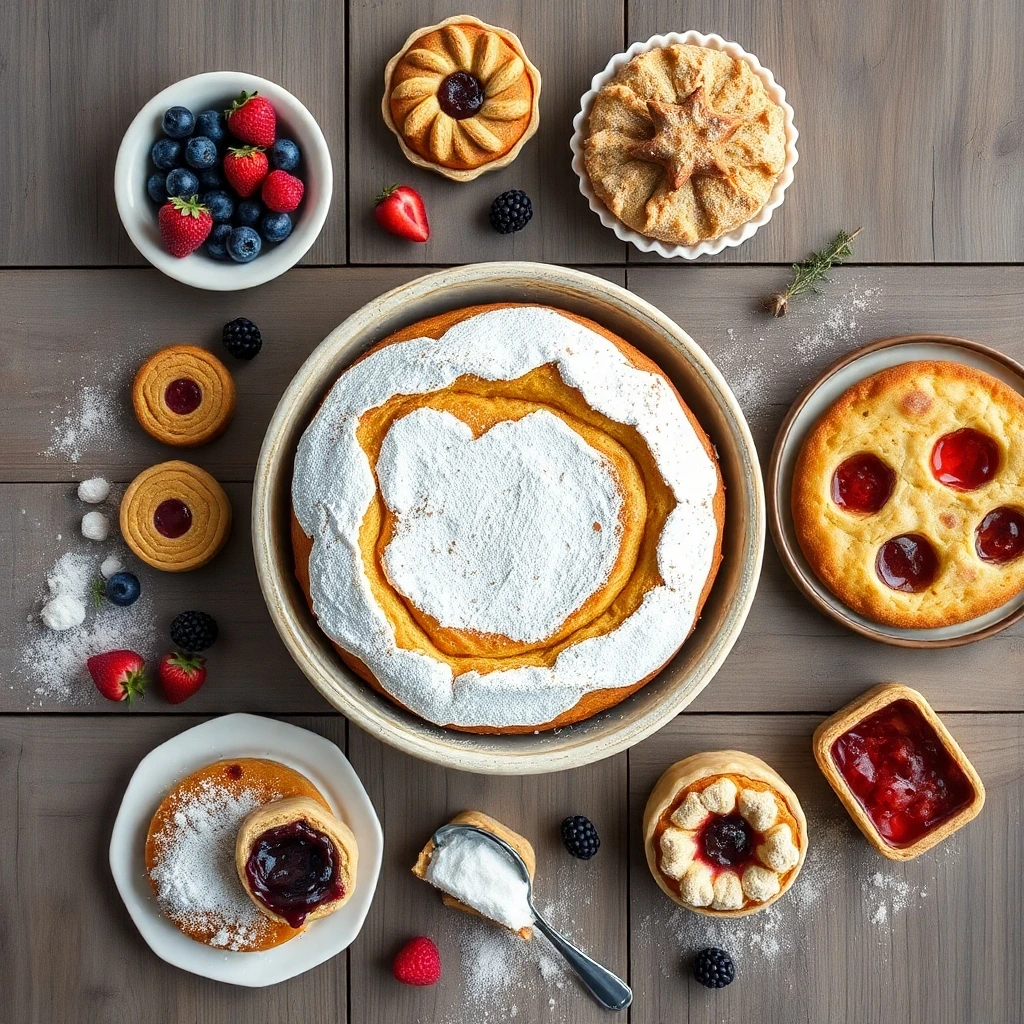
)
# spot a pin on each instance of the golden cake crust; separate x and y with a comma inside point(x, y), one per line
point(684, 144)
point(898, 415)
point(417, 631)
point(462, 148)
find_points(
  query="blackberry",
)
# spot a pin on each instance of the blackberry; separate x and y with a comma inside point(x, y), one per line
point(193, 631)
point(511, 211)
point(713, 967)
point(242, 338)
point(580, 837)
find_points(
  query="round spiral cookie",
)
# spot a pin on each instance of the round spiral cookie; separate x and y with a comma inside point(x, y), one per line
point(183, 396)
point(908, 495)
point(175, 516)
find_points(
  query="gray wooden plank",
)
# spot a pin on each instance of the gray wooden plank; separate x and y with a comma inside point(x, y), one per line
point(71, 952)
point(858, 938)
point(907, 117)
point(569, 43)
point(75, 74)
point(489, 976)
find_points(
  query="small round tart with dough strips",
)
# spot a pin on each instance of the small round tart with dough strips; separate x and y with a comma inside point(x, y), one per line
point(684, 144)
point(724, 834)
point(908, 495)
point(505, 518)
point(296, 860)
point(462, 97)
point(183, 396)
point(191, 844)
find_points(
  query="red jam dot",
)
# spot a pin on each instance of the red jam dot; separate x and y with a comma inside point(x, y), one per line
point(727, 840)
point(292, 870)
point(1000, 535)
point(183, 396)
point(862, 483)
point(460, 95)
point(907, 563)
point(172, 518)
point(965, 459)
point(901, 773)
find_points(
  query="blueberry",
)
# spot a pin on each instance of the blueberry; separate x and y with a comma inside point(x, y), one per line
point(249, 212)
point(284, 155)
point(179, 122)
point(211, 179)
point(123, 589)
point(166, 154)
point(157, 187)
point(222, 206)
point(182, 182)
point(200, 153)
point(217, 241)
point(275, 227)
point(211, 123)
point(244, 245)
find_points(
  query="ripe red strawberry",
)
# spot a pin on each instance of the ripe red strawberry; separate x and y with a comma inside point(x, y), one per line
point(245, 167)
point(118, 675)
point(418, 963)
point(181, 675)
point(252, 119)
point(400, 211)
point(184, 225)
point(282, 192)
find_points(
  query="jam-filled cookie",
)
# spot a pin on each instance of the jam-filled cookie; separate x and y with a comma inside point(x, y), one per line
point(183, 396)
point(908, 495)
point(175, 516)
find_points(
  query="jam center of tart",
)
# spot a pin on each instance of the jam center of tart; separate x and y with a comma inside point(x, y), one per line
point(292, 869)
point(901, 772)
point(172, 518)
point(965, 459)
point(183, 396)
point(907, 563)
point(727, 840)
point(862, 483)
point(460, 95)
point(999, 537)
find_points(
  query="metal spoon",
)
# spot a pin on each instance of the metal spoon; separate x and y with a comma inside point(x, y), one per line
point(607, 988)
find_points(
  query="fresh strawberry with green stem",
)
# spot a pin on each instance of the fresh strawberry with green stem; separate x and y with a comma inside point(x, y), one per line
point(400, 210)
point(180, 675)
point(118, 675)
point(245, 167)
point(184, 225)
point(252, 119)
point(281, 192)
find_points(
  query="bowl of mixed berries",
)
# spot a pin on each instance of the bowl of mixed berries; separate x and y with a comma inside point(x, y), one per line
point(223, 181)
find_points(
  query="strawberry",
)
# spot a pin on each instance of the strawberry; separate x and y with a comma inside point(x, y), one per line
point(184, 225)
point(418, 963)
point(245, 167)
point(181, 675)
point(400, 211)
point(282, 192)
point(118, 675)
point(252, 119)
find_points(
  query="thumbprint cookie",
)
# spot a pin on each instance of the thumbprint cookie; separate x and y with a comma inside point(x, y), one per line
point(183, 396)
point(724, 834)
point(175, 516)
point(908, 495)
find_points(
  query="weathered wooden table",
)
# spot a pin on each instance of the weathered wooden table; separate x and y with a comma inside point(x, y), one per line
point(910, 127)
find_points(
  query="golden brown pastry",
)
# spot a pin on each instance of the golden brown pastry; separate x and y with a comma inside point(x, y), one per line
point(462, 97)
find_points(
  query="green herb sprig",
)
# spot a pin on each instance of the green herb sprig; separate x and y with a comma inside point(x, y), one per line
point(812, 270)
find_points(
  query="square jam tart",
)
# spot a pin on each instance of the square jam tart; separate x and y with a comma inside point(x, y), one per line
point(899, 773)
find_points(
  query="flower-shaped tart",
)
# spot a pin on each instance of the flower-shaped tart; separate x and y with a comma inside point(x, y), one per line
point(462, 97)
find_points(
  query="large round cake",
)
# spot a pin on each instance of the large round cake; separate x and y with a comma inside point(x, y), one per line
point(505, 518)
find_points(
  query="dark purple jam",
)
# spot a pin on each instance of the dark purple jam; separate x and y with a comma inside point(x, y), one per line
point(461, 95)
point(172, 518)
point(727, 841)
point(183, 396)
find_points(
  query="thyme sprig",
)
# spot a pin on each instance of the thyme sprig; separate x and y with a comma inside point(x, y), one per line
point(812, 270)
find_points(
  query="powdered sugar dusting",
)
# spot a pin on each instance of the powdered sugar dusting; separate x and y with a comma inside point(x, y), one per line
point(86, 421)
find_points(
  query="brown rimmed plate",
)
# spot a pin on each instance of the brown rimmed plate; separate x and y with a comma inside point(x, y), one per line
point(805, 412)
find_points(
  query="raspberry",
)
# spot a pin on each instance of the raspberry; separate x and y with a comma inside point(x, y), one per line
point(418, 963)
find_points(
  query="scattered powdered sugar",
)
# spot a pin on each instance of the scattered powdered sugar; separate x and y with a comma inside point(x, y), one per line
point(889, 894)
point(195, 877)
point(86, 421)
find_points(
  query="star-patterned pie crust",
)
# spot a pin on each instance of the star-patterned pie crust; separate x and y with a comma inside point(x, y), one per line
point(684, 144)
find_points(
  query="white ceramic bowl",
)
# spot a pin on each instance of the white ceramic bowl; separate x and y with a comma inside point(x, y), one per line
point(138, 212)
point(704, 390)
point(709, 246)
